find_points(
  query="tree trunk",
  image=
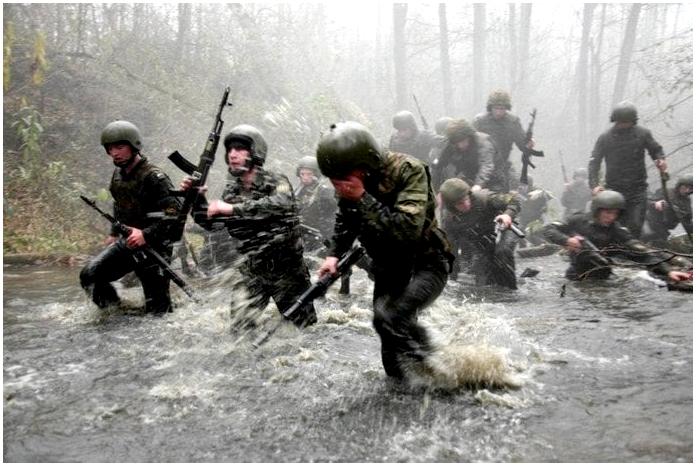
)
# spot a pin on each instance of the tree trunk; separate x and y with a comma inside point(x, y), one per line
point(525, 27)
point(598, 117)
point(182, 37)
point(626, 52)
point(512, 34)
point(478, 54)
point(447, 96)
point(400, 10)
point(582, 75)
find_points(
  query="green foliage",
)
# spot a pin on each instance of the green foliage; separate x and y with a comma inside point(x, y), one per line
point(39, 64)
point(28, 128)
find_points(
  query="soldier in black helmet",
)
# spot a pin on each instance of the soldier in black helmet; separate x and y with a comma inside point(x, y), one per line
point(387, 203)
point(505, 129)
point(139, 189)
point(663, 216)
point(408, 139)
point(469, 221)
point(576, 194)
point(258, 209)
point(592, 237)
point(467, 154)
point(623, 148)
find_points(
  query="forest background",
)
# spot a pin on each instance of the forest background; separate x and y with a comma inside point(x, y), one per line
point(69, 69)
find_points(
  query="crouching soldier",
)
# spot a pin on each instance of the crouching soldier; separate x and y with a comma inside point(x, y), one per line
point(258, 209)
point(469, 219)
point(139, 188)
point(591, 236)
point(386, 202)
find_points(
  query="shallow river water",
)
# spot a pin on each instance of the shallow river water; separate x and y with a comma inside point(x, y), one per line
point(603, 374)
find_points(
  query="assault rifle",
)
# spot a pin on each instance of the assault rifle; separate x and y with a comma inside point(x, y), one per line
point(317, 290)
point(145, 252)
point(664, 176)
point(199, 173)
point(499, 231)
point(597, 258)
point(423, 120)
point(527, 153)
point(563, 169)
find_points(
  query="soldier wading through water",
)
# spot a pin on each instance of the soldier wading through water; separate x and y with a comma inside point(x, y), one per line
point(386, 202)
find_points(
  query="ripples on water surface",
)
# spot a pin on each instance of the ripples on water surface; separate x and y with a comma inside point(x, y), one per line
point(603, 374)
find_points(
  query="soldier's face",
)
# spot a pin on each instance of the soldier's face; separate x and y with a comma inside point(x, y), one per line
point(238, 159)
point(606, 217)
point(121, 153)
point(686, 190)
point(463, 145)
point(307, 176)
point(498, 112)
point(404, 133)
point(464, 205)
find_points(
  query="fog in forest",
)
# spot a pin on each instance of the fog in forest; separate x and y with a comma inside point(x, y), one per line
point(294, 69)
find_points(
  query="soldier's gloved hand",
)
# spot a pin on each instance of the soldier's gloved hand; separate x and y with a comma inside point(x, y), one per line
point(660, 205)
point(530, 143)
point(135, 238)
point(218, 207)
point(574, 244)
point(328, 267)
point(596, 190)
point(505, 220)
point(187, 182)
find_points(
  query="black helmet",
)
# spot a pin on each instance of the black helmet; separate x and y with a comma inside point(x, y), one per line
point(498, 98)
point(441, 125)
point(308, 162)
point(121, 130)
point(608, 200)
point(347, 146)
point(580, 173)
point(404, 120)
point(453, 190)
point(250, 137)
point(624, 112)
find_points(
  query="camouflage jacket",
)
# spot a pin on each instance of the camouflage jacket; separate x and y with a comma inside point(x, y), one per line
point(264, 221)
point(623, 150)
point(534, 206)
point(667, 218)
point(317, 206)
point(395, 218)
point(614, 239)
point(419, 146)
point(475, 166)
point(145, 190)
point(504, 132)
point(477, 225)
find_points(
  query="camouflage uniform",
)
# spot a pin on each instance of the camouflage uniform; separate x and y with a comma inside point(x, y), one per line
point(659, 223)
point(492, 264)
point(146, 189)
point(395, 222)
point(317, 208)
point(623, 150)
point(504, 133)
point(420, 145)
point(615, 239)
point(265, 226)
point(531, 218)
point(475, 166)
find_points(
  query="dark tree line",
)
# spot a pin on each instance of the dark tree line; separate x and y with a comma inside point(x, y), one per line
point(296, 68)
